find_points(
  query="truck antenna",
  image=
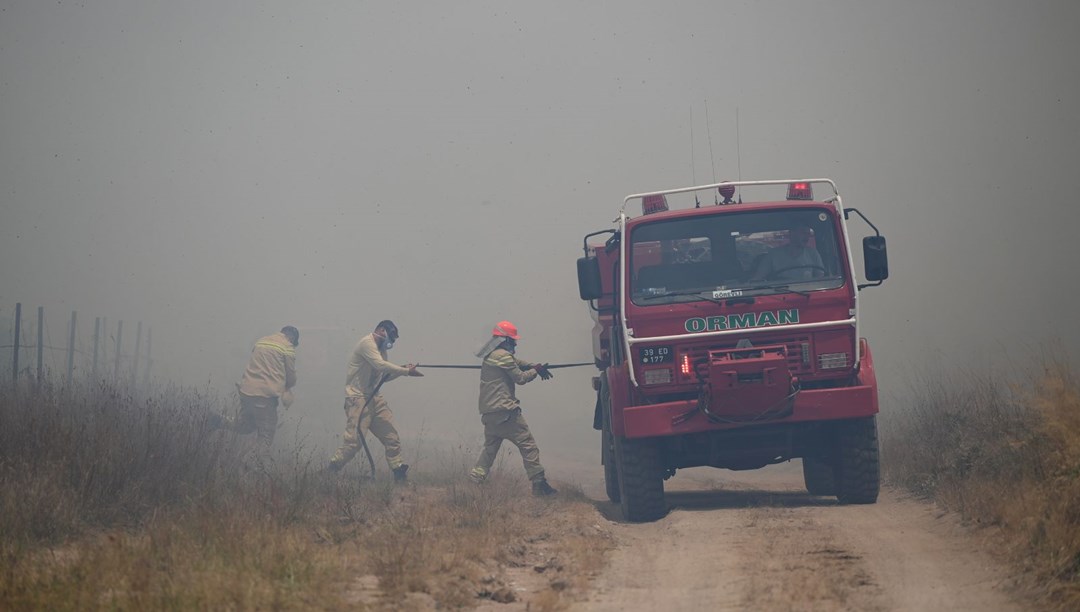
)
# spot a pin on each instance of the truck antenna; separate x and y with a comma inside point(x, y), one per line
point(738, 148)
point(693, 171)
point(712, 160)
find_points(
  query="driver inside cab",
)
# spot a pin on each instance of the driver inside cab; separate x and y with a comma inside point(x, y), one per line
point(794, 261)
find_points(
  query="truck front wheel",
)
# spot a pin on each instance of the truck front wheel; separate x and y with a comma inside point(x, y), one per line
point(858, 473)
point(607, 444)
point(819, 476)
point(641, 480)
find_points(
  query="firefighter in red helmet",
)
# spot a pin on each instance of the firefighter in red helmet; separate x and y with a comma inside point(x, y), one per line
point(500, 410)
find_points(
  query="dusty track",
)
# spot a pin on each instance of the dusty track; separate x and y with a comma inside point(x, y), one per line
point(757, 540)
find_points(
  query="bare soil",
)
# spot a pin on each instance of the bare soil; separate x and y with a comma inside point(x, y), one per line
point(757, 541)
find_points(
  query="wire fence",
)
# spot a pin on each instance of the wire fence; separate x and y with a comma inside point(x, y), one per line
point(94, 349)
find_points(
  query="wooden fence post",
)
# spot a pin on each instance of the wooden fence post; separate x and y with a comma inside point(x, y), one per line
point(116, 363)
point(71, 349)
point(97, 335)
point(149, 359)
point(15, 354)
point(40, 345)
point(135, 363)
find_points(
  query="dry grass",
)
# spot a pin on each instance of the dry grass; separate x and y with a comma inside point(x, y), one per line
point(128, 503)
point(188, 562)
point(1002, 454)
point(800, 567)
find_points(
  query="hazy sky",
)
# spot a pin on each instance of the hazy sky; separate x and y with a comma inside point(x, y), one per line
point(218, 170)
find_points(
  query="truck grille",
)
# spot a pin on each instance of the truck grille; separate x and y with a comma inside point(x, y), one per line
point(798, 357)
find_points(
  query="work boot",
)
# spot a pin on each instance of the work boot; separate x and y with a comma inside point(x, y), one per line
point(400, 472)
point(478, 475)
point(541, 488)
point(334, 467)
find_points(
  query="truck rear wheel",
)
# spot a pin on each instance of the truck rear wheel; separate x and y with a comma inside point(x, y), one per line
point(858, 473)
point(819, 476)
point(607, 444)
point(641, 480)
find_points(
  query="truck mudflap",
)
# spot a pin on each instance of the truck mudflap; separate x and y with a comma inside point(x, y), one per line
point(684, 417)
point(744, 385)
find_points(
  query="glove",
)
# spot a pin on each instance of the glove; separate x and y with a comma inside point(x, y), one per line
point(541, 369)
point(413, 371)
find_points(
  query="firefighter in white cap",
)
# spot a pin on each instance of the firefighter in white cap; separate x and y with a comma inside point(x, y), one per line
point(500, 410)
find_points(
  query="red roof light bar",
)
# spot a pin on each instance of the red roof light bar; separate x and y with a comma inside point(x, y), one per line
point(800, 191)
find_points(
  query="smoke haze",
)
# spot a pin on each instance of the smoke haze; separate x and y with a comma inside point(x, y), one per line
point(218, 170)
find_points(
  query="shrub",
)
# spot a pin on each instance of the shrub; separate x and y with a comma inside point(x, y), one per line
point(1004, 454)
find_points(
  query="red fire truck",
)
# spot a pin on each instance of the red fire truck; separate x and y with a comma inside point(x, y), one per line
point(727, 335)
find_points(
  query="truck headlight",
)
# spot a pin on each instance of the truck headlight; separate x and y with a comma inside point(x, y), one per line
point(660, 376)
point(832, 361)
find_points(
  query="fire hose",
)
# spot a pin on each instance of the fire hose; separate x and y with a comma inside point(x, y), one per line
point(553, 366)
point(360, 425)
point(360, 419)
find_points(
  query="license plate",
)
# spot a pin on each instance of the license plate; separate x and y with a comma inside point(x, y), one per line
point(655, 354)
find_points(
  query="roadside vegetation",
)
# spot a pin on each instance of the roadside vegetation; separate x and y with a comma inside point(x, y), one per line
point(114, 501)
point(1004, 452)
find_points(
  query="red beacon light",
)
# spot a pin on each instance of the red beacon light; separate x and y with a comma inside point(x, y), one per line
point(653, 204)
point(800, 191)
point(727, 192)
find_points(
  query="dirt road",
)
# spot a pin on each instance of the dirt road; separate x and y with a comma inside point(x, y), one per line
point(758, 541)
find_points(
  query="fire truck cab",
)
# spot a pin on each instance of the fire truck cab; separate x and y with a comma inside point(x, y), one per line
point(727, 335)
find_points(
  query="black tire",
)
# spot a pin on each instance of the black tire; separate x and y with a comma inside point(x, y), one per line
point(858, 471)
point(607, 443)
point(819, 476)
point(641, 480)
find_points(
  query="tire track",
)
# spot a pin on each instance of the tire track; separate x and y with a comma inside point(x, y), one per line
point(757, 540)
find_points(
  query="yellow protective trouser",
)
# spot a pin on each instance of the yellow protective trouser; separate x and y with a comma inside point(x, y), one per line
point(257, 414)
point(508, 425)
point(377, 418)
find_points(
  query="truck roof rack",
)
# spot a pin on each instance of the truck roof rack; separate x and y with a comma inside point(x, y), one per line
point(712, 186)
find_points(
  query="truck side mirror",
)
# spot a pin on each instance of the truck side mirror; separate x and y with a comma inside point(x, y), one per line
point(588, 278)
point(875, 258)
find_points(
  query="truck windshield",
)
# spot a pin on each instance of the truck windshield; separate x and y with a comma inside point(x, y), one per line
point(735, 254)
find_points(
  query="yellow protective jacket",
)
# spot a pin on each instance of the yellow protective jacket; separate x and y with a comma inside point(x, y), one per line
point(367, 365)
point(271, 370)
point(499, 374)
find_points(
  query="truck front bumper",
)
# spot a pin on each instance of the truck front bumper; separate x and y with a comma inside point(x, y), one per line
point(668, 419)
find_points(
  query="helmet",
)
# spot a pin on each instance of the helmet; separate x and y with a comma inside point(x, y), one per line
point(506, 329)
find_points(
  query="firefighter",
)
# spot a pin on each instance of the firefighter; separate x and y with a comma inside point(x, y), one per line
point(796, 260)
point(367, 370)
point(500, 410)
point(269, 378)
